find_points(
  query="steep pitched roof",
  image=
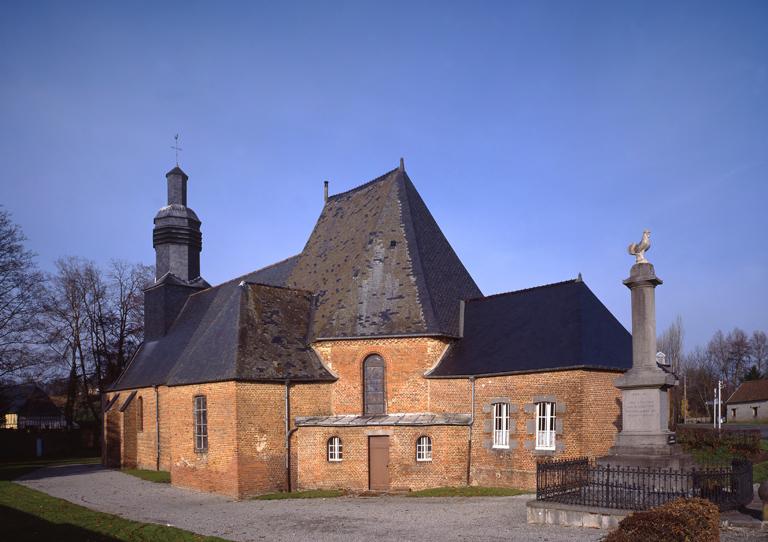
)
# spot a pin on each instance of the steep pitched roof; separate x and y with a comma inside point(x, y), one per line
point(234, 331)
point(749, 391)
point(380, 265)
point(557, 326)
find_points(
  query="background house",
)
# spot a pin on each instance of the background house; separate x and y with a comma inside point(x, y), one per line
point(749, 402)
point(27, 406)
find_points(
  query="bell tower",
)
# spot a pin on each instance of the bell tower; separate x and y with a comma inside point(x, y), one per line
point(177, 241)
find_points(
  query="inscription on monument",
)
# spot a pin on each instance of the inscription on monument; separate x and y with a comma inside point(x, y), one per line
point(642, 410)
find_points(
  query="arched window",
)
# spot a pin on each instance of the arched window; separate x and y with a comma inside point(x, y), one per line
point(334, 449)
point(140, 414)
point(424, 448)
point(373, 385)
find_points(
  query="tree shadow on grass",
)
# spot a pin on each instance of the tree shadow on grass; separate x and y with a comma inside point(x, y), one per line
point(23, 527)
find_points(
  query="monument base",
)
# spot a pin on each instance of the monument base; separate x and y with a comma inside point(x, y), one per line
point(654, 453)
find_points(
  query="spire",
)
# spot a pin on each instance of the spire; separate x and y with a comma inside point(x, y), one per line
point(176, 237)
point(177, 186)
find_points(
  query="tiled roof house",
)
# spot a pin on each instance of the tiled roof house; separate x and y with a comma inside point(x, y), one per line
point(369, 361)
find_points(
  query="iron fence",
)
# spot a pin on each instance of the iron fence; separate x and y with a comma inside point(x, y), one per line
point(583, 482)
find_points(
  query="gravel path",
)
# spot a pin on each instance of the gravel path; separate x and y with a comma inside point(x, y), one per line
point(344, 518)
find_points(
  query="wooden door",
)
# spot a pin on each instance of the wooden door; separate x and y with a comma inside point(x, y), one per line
point(378, 463)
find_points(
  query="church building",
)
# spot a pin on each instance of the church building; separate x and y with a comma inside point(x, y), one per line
point(370, 361)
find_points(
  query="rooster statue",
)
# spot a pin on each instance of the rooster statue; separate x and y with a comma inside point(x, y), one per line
point(638, 250)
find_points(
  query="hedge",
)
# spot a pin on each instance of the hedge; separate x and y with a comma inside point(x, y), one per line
point(747, 442)
point(681, 520)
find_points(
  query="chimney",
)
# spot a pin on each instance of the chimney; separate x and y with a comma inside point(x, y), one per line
point(325, 191)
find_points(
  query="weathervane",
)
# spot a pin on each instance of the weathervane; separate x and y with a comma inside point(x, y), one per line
point(176, 147)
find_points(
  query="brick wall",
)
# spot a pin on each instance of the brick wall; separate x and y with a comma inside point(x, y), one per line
point(447, 468)
point(246, 425)
point(406, 359)
point(260, 430)
point(587, 412)
point(217, 469)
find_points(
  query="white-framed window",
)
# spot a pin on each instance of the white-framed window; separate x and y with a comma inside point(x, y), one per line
point(334, 449)
point(501, 425)
point(201, 424)
point(424, 448)
point(545, 426)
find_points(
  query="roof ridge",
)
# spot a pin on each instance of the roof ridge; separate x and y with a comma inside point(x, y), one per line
point(523, 290)
point(364, 185)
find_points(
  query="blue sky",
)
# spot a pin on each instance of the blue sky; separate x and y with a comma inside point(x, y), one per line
point(544, 136)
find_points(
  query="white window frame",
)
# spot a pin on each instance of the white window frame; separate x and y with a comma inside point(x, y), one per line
point(335, 453)
point(546, 425)
point(424, 448)
point(501, 426)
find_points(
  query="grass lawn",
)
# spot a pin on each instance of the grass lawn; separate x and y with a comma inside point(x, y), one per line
point(159, 476)
point(28, 515)
point(470, 491)
point(309, 494)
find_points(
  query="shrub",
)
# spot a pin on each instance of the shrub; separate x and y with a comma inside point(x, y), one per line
point(681, 520)
point(743, 442)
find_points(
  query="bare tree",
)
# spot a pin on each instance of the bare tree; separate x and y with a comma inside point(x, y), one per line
point(671, 343)
point(701, 374)
point(759, 351)
point(67, 326)
point(739, 352)
point(128, 282)
point(20, 286)
point(719, 354)
point(95, 324)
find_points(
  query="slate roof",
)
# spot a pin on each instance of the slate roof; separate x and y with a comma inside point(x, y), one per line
point(380, 265)
point(557, 326)
point(750, 391)
point(235, 331)
point(413, 419)
point(376, 264)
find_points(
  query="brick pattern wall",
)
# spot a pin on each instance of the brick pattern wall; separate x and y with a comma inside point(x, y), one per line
point(587, 413)
point(447, 468)
point(246, 425)
point(406, 359)
point(217, 469)
point(260, 430)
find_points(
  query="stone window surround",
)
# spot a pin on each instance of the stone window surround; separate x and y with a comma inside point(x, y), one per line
point(528, 408)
